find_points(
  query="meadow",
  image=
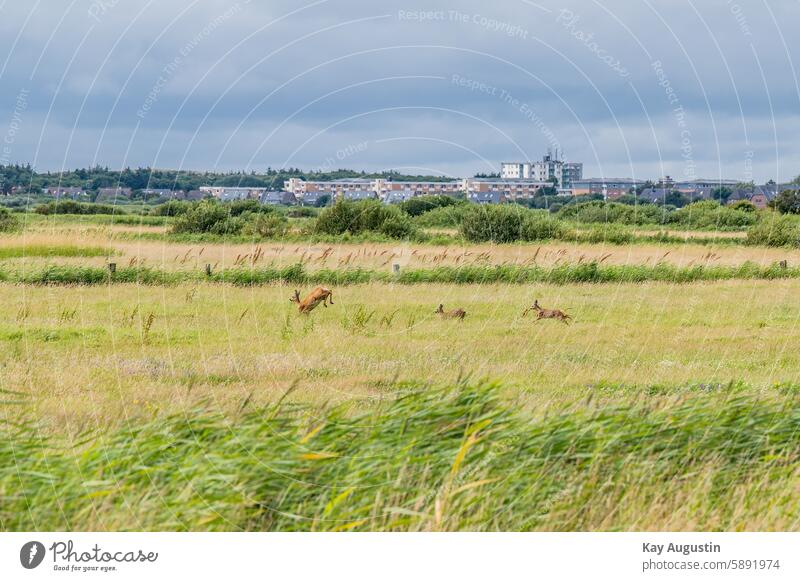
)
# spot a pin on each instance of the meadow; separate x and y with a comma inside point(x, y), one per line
point(160, 398)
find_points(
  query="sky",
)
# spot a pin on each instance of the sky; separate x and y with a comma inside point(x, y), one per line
point(631, 88)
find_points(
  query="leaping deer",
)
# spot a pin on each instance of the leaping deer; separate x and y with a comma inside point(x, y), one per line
point(548, 313)
point(454, 314)
point(317, 296)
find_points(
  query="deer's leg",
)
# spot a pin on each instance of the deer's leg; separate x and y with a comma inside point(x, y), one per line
point(330, 297)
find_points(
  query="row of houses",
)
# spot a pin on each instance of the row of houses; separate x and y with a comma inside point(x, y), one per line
point(700, 189)
point(121, 193)
point(482, 190)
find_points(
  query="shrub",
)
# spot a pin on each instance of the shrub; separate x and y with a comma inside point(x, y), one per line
point(364, 216)
point(775, 230)
point(8, 222)
point(542, 227)
point(266, 226)
point(250, 206)
point(419, 205)
point(399, 226)
point(490, 223)
point(337, 219)
point(71, 207)
point(508, 223)
point(600, 212)
point(787, 202)
point(208, 217)
point(171, 208)
point(709, 214)
point(443, 216)
point(607, 234)
point(743, 206)
point(301, 212)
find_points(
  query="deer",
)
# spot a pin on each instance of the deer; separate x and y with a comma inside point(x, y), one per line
point(317, 296)
point(454, 314)
point(548, 313)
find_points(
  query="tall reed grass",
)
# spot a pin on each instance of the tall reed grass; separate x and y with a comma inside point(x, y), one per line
point(432, 459)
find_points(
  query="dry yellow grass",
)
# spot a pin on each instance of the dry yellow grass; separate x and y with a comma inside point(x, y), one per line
point(179, 256)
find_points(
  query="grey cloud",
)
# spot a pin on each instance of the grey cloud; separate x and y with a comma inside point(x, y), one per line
point(253, 83)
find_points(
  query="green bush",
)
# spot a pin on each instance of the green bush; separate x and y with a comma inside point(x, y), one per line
point(787, 202)
point(337, 219)
point(490, 223)
point(443, 217)
point(538, 226)
point(302, 212)
point(419, 205)
point(743, 206)
point(208, 217)
point(775, 230)
point(8, 221)
point(607, 234)
point(71, 207)
point(508, 223)
point(600, 212)
point(364, 216)
point(709, 214)
point(171, 208)
point(398, 227)
point(266, 226)
point(249, 206)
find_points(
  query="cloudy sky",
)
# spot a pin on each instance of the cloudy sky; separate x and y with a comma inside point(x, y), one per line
point(638, 88)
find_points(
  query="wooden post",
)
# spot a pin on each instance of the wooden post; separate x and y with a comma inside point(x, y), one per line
point(208, 270)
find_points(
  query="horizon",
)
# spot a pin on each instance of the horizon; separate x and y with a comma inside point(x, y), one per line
point(313, 171)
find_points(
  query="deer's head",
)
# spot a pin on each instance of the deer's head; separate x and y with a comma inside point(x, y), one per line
point(440, 309)
point(536, 305)
point(296, 297)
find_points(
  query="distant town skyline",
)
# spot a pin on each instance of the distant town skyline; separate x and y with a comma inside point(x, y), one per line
point(642, 90)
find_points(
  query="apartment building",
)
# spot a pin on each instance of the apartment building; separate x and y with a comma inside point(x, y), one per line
point(548, 169)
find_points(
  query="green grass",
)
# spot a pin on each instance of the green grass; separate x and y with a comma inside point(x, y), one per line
point(96, 219)
point(430, 459)
point(46, 251)
point(589, 272)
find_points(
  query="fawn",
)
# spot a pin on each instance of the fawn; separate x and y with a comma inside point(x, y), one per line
point(317, 296)
point(548, 313)
point(454, 314)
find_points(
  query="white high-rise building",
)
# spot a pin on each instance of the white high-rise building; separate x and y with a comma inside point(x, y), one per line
point(565, 173)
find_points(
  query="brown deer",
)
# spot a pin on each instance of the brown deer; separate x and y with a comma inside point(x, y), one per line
point(548, 313)
point(454, 314)
point(317, 296)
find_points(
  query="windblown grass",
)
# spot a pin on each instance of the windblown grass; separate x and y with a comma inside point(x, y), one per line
point(437, 459)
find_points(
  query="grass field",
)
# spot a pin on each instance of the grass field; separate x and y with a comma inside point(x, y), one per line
point(204, 405)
